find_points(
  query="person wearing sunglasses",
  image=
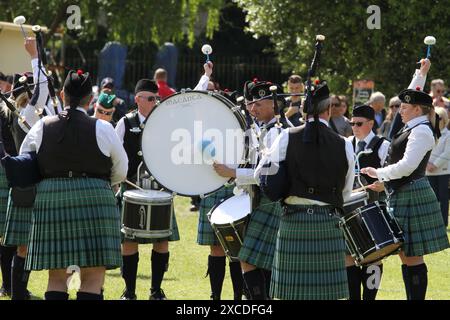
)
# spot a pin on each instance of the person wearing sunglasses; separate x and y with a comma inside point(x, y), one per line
point(412, 200)
point(104, 108)
point(363, 138)
point(129, 131)
point(394, 105)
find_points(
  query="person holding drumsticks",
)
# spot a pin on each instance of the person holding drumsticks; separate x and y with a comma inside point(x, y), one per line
point(412, 200)
point(364, 139)
point(129, 130)
point(256, 254)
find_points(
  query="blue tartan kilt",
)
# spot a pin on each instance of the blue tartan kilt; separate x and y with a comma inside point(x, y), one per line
point(205, 233)
point(4, 192)
point(261, 234)
point(75, 222)
point(419, 215)
point(309, 259)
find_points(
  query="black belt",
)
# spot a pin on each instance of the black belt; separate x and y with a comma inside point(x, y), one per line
point(310, 209)
point(72, 174)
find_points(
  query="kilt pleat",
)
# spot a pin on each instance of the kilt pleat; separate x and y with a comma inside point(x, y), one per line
point(74, 222)
point(309, 259)
point(4, 192)
point(205, 233)
point(419, 215)
point(261, 234)
point(17, 224)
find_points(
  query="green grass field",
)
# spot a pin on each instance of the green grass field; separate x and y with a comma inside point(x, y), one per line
point(186, 280)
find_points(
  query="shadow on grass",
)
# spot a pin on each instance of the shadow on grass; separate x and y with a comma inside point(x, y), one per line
point(141, 277)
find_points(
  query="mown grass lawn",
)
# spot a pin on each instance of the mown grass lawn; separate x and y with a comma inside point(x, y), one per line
point(186, 280)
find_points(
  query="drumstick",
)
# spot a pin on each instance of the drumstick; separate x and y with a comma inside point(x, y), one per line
point(359, 189)
point(133, 185)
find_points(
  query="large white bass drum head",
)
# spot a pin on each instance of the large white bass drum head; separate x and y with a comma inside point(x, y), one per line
point(185, 134)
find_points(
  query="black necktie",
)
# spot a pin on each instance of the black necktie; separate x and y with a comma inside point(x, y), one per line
point(361, 146)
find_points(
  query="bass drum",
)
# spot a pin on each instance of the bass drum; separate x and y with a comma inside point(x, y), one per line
point(185, 134)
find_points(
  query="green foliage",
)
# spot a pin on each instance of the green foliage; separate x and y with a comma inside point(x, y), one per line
point(352, 51)
point(130, 22)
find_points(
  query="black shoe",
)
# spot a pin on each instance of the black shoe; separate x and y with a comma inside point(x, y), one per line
point(4, 292)
point(128, 296)
point(193, 208)
point(157, 295)
point(28, 295)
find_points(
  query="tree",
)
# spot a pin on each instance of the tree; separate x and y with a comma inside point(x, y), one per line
point(352, 50)
point(130, 22)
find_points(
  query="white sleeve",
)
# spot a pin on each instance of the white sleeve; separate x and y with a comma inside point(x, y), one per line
point(350, 176)
point(120, 129)
point(443, 157)
point(383, 152)
point(417, 81)
point(109, 144)
point(202, 84)
point(245, 176)
point(420, 141)
point(43, 87)
point(33, 139)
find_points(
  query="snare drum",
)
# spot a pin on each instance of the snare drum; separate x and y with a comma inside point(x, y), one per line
point(229, 220)
point(357, 200)
point(185, 134)
point(147, 214)
point(371, 233)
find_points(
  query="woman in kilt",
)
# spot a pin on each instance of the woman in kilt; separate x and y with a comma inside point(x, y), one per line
point(412, 200)
point(75, 219)
point(18, 215)
point(256, 254)
point(309, 258)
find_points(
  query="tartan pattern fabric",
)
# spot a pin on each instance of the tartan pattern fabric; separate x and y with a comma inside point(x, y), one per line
point(309, 259)
point(175, 236)
point(75, 222)
point(4, 192)
point(17, 224)
point(419, 215)
point(205, 234)
point(261, 235)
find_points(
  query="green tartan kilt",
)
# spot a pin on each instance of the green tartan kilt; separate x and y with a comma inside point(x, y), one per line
point(75, 222)
point(419, 215)
point(261, 235)
point(205, 233)
point(17, 225)
point(309, 260)
point(175, 236)
point(4, 192)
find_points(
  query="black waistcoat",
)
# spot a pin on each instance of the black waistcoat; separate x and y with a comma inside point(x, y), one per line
point(317, 171)
point(132, 143)
point(396, 153)
point(72, 147)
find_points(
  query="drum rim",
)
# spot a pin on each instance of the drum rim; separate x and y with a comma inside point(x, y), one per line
point(168, 199)
point(229, 104)
point(221, 201)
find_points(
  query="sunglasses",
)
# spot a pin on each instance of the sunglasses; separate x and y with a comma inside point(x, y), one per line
point(395, 106)
point(335, 104)
point(106, 113)
point(358, 124)
point(150, 98)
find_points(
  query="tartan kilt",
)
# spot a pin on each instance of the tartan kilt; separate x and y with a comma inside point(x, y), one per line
point(205, 233)
point(175, 236)
point(4, 192)
point(309, 259)
point(17, 225)
point(419, 215)
point(75, 222)
point(261, 234)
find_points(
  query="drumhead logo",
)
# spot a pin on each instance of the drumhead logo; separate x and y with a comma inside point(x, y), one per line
point(142, 216)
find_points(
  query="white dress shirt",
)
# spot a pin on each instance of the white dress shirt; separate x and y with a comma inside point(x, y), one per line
point(382, 151)
point(246, 176)
point(107, 141)
point(277, 153)
point(440, 156)
point(202, 84)
point(29, 112)
point(420, 141)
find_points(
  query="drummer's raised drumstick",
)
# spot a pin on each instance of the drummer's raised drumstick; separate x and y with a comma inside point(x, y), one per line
point(133, 185)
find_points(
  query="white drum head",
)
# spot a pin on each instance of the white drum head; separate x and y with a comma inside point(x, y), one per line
point(232, 209)
point(185, 134)
point(147, 195)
